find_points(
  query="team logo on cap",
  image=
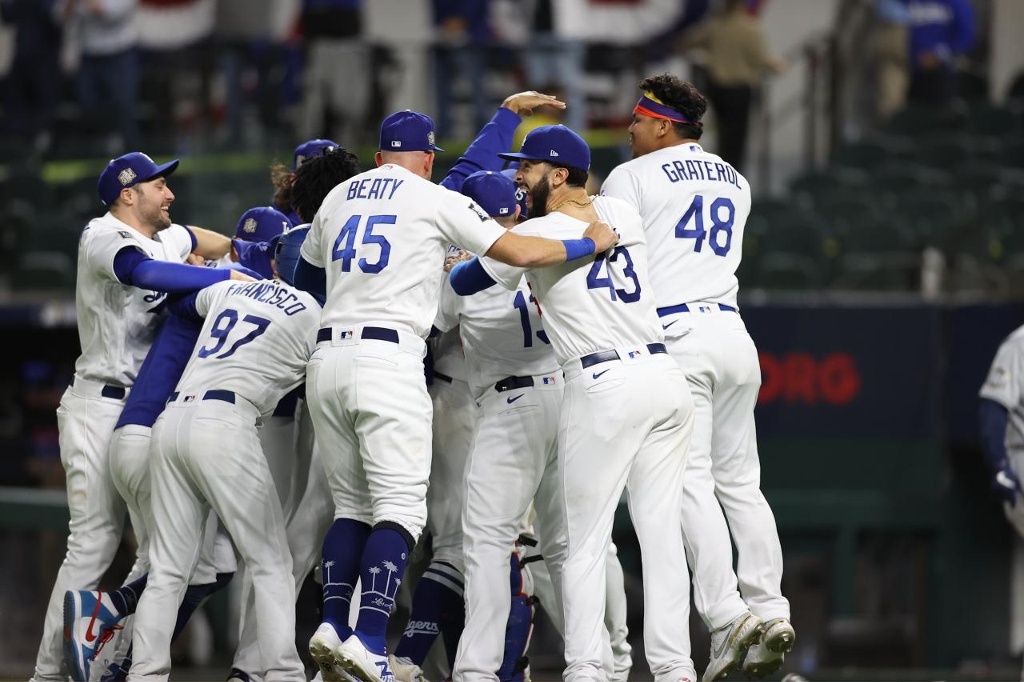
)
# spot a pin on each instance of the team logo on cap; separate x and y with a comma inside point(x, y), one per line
point(126, 177)
point(249, 226)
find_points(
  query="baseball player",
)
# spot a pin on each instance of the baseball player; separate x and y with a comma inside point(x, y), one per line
point(513, 458)
point(1001, 415)
point(376, 246)
point(307, 505)
point(694, 208)
point(626, 411)
point(128, 260)
point(129, 459)
point(282, 177)
point(437, 601)
point(251, 352)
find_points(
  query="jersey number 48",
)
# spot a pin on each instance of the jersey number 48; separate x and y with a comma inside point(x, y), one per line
point(722, 213)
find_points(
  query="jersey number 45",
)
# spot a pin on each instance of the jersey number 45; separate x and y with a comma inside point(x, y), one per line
point(345, 244)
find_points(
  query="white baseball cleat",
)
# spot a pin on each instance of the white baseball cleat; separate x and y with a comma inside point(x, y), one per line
point(323, 646)
point(730, 643)
point(767, 655)
point(363, 664)
point(405, 670)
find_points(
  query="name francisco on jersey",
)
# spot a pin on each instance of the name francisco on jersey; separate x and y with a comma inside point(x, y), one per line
point(271, 293)
point(701, 170)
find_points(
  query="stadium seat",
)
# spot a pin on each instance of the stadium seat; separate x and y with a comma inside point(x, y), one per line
point(786, 271)
point(44, 271)
point(985, 118)
point(893, 180)
point(916, 120)
point(816, 186)
point(971, 86)
point(878, 255)
point(870, 153)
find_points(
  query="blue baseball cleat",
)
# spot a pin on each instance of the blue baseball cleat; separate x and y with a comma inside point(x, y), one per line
point(90, 620)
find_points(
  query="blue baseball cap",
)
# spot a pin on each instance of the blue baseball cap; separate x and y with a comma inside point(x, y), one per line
point(261, 224)
point(310, 149)
point(495, 193)
point(408, 131)
point(510, 173)
point(555, 144)
point(129, 170)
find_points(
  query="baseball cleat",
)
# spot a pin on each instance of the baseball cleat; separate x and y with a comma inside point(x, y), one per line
point(90, 620)
point(322, 647)
point(405, 670)
point(767, 655)
point(730, 643)
point(238, 675)
point(363, 664)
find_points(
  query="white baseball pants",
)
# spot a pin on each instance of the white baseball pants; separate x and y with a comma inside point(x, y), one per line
point(625, 424)
point(513, 462)
point(723, 474)
point(191, 473)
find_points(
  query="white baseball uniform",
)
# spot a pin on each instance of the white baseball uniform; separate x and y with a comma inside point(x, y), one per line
point(694, 208)
point(116, 325)
point(515, 379)
point(255, 342)
point(625, 422)
point(1005, 386)
point(382, 237)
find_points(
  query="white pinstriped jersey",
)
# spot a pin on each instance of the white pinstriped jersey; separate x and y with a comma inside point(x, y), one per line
point(256, 340)
point(590, 304)
point(382, 237)
point(502, 334)
point(117, 322)
point(694, 207)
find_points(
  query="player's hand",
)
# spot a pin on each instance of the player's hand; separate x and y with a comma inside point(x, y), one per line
point(523, 103)
point(1006, 484)
point(602, 234)
point(455, 258)
point(240, 276)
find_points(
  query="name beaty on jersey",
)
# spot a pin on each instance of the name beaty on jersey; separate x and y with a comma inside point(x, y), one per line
point(270, 293)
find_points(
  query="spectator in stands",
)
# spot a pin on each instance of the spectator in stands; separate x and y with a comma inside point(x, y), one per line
point(460, 51)
point(336, 90)
point(736, 57)
point(33, 82)
point(892, 65)
point(556, 52)
point(941, 31)
point(108, 75)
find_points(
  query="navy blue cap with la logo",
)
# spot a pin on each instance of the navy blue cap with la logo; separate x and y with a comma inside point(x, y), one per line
point(408, 131)
point(129, 170)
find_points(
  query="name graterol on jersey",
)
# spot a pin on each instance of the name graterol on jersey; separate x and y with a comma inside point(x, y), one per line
point(270, 293)
point(701, 170)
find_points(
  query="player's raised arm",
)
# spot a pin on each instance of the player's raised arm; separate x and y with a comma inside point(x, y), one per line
point(538, 252)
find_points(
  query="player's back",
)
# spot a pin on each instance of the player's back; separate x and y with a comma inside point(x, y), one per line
point(501, 332)
point(382, 238)
point(594, 304)
point(117, 322)
point(256, 340)
point(694, 208)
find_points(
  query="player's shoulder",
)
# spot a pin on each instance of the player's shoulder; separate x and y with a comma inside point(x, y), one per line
point(1014, 340)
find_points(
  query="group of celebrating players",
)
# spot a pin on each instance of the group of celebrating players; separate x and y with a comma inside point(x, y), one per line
point(347, 377)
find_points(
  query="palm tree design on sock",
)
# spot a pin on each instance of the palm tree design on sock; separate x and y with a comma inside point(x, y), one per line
point(333, 590)
point(382, 598)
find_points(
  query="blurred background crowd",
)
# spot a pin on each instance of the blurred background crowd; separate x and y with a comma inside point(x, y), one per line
point(883, 259)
